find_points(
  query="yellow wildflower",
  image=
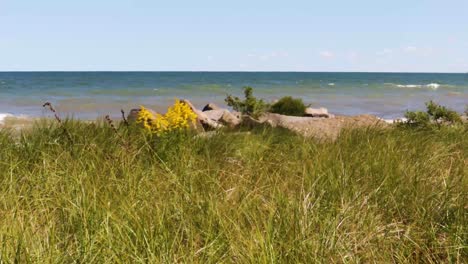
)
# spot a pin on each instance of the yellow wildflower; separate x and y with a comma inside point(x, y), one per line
point(178, 117)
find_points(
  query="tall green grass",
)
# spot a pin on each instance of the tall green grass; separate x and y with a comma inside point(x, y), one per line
point(373, 195)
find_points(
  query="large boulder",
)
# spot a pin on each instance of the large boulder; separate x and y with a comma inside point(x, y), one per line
point(133, 115)
point(202, 118)
point(210, 106)
point(230, 119)
point(322, 128)
point(250, 122)
point(224, 117)
point(316, 112)
point(214, 115)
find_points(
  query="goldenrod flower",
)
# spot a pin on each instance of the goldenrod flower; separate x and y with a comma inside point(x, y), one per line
point(178, 117)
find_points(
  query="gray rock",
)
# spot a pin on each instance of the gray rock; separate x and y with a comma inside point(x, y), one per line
point(210, 106)
point(230, 119)
point(237, 114)
point(250, 122)
point(316, 112)
point(133, 115)
point(214, 114)
point(224, 117)
point(202, 119)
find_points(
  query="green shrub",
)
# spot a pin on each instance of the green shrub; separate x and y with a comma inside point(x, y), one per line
point(289, 106)
point(249, 106)
point(435, 114)
point(441, 113)
point(418, 118)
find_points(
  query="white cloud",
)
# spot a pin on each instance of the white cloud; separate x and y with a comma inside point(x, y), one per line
point(327, 54)
point(410, 49)
point(385, 52)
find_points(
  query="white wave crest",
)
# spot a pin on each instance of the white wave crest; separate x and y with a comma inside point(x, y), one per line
point(394, 121)
point(409, 86)
point(433, 86)
point(3, 116)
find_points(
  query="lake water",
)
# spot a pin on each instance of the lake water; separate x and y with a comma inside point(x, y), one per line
point(89, 95)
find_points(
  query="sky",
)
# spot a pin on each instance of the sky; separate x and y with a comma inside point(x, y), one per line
point(240, 35)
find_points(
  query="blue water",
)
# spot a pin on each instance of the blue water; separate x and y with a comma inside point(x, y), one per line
point(89, 95)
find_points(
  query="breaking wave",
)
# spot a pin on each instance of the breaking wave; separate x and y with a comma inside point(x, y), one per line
point(433, 86)
point(3, 116)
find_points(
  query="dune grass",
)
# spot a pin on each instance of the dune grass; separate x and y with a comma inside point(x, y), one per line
point(86, 194)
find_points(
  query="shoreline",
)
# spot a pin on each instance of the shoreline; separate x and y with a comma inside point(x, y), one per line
point(316, 127)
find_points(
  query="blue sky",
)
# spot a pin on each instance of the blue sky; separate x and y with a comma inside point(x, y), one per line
point(241, 35)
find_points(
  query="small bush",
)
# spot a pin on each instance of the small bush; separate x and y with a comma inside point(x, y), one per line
point(249, 106)
point(435, 114)
point(441, 113)
point(418, 118)
point(289, 106)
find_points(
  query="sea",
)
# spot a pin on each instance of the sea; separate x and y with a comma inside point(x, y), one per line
point(92, 95)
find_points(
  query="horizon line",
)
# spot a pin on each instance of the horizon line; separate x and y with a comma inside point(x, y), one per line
point(215, 71)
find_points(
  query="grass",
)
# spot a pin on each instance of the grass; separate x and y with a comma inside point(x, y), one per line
point(86, 194)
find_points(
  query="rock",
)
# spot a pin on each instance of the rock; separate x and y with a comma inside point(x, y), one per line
point(237, 114)
point(316, 112)
point(133, 115)
point(249, 122)
point(278, 120)
point(321, 128)
point(210, 106)
point(214, 115)
point(229, 119)
point(224, 117)
point(202, 118)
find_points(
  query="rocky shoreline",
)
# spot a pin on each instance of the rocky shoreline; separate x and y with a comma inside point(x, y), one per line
point(317, 123)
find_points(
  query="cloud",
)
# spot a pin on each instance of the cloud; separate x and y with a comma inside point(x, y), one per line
point(385, 52)
point(410, 49)
point(326, 54)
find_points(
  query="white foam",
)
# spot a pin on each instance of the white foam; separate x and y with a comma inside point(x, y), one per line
point(393, 121)
point(3, 116)
point(433, 85)
point(409, 86)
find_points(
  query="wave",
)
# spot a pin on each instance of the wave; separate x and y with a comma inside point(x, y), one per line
point(393, 121)
point(3, 116)
point(433, 86)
